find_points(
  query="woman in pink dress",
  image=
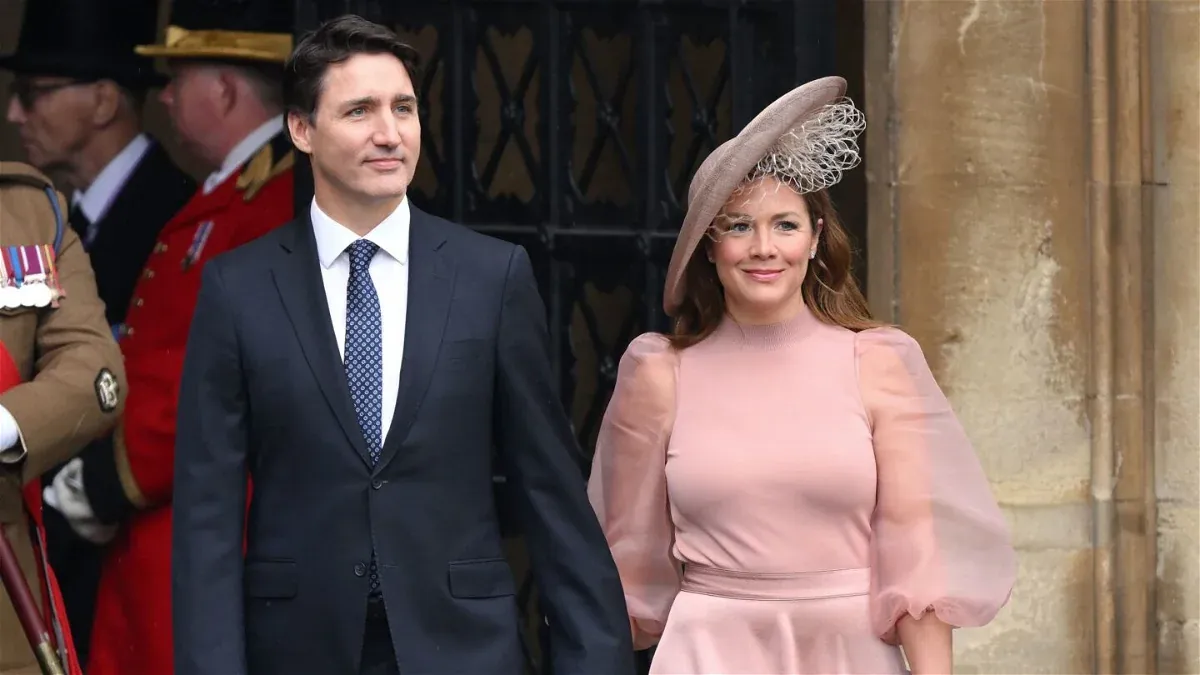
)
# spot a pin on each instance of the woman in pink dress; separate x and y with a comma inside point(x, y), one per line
point(784, 486)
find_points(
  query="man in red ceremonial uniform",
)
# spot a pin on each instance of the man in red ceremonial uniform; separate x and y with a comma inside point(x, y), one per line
point(224, 100)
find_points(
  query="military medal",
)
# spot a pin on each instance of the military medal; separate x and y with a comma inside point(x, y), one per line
point(9, 293)
point(198, 241)
point(52, 276)
point(35, 292)
point(30, 278)
point(17, 269)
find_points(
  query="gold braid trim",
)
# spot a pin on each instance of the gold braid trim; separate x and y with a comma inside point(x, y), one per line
point(125, 472)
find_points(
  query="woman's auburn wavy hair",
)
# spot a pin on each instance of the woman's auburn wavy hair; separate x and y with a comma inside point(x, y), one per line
point(829, 289)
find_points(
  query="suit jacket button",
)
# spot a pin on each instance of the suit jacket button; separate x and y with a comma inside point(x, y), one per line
point(360, 570)
point(376, 484)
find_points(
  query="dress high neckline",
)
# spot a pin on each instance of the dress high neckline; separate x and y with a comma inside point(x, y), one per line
point(767, 336)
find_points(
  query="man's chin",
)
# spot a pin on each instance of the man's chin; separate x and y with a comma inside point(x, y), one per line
point(387, 190)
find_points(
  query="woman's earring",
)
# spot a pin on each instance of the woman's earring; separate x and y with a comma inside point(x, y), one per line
point(812, 254)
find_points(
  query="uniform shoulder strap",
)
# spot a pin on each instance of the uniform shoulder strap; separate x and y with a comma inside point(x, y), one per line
point(17, 173)
point(272, 159)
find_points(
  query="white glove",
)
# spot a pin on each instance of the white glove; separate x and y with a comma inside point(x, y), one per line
point(66, 495)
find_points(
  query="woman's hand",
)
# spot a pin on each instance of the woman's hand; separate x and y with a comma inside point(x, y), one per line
point(928, 644)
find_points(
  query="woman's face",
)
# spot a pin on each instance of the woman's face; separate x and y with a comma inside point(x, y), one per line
point(761, 245)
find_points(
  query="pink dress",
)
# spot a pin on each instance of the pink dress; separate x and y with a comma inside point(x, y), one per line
point(777, 497)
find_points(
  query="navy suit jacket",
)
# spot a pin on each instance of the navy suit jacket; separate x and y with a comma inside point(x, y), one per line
point(264, 397)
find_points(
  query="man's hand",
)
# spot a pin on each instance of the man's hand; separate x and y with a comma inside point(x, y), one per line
point(67, 495)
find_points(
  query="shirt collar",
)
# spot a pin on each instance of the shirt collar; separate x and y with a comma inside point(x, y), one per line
point(99, 196)
point(242, 152)
point(390, 235)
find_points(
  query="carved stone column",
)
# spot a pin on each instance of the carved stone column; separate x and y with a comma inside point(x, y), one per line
point(1010, 233)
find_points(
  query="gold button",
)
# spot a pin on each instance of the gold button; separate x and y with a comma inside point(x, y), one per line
point(162, 248)
point(149, 274)
point(139, 302)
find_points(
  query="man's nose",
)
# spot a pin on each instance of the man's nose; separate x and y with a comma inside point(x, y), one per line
point(16, 111)
point(387, 133)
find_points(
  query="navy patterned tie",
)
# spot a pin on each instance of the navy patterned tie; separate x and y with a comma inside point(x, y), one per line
point(364, 356)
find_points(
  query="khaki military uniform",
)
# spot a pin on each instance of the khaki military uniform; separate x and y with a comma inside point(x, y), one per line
point(73, 378)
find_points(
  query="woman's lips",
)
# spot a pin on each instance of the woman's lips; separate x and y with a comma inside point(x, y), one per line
point(764, 276)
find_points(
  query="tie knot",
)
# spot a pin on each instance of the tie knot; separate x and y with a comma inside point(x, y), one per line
point(361, 253)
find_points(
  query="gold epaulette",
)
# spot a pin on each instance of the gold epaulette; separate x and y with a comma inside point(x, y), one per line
point(261, 169)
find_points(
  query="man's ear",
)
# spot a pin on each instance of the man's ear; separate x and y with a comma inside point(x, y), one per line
point(108, 102)
point(299, 127)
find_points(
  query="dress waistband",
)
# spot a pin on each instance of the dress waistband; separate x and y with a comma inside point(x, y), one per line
point(776, 586)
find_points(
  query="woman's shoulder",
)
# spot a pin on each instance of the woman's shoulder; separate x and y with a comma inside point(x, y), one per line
point(647, 372)
point(891, 362)
point(887, 339)
point(649, 344)
point(649, 351)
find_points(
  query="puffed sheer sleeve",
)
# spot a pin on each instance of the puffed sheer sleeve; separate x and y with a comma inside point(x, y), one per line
point(939, 541)
point(628, 487)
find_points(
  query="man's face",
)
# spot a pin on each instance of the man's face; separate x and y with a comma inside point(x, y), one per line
point(365, 137)
point(53, 116)
point(193, 102)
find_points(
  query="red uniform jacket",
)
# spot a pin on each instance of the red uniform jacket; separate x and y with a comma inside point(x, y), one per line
point(132, 627)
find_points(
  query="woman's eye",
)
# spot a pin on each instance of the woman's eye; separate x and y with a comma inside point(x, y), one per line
point(788, 226)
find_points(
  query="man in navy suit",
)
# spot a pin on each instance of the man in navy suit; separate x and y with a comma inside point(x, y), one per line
point(359, 365)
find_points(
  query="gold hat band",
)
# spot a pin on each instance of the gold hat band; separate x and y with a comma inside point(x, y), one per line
point(181, 43)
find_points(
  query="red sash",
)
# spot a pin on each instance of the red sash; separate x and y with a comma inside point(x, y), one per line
point(52, 602)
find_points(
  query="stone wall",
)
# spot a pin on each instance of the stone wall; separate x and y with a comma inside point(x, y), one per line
point(1033, 223)
point(1175, 68)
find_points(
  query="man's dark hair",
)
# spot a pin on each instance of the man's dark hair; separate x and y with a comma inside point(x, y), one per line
point(334, 42)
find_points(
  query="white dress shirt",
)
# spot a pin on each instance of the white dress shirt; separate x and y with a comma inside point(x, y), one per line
point(389, 273)
point(243, 151)
point(95, 200)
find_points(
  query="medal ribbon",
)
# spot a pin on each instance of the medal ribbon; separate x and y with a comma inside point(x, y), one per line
point(16, 270)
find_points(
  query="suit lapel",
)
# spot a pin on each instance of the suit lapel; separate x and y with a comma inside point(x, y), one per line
point(298, 278)
point(430, 287)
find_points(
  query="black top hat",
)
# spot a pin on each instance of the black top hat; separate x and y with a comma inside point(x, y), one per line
point(88, 40)
point(252, 30)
